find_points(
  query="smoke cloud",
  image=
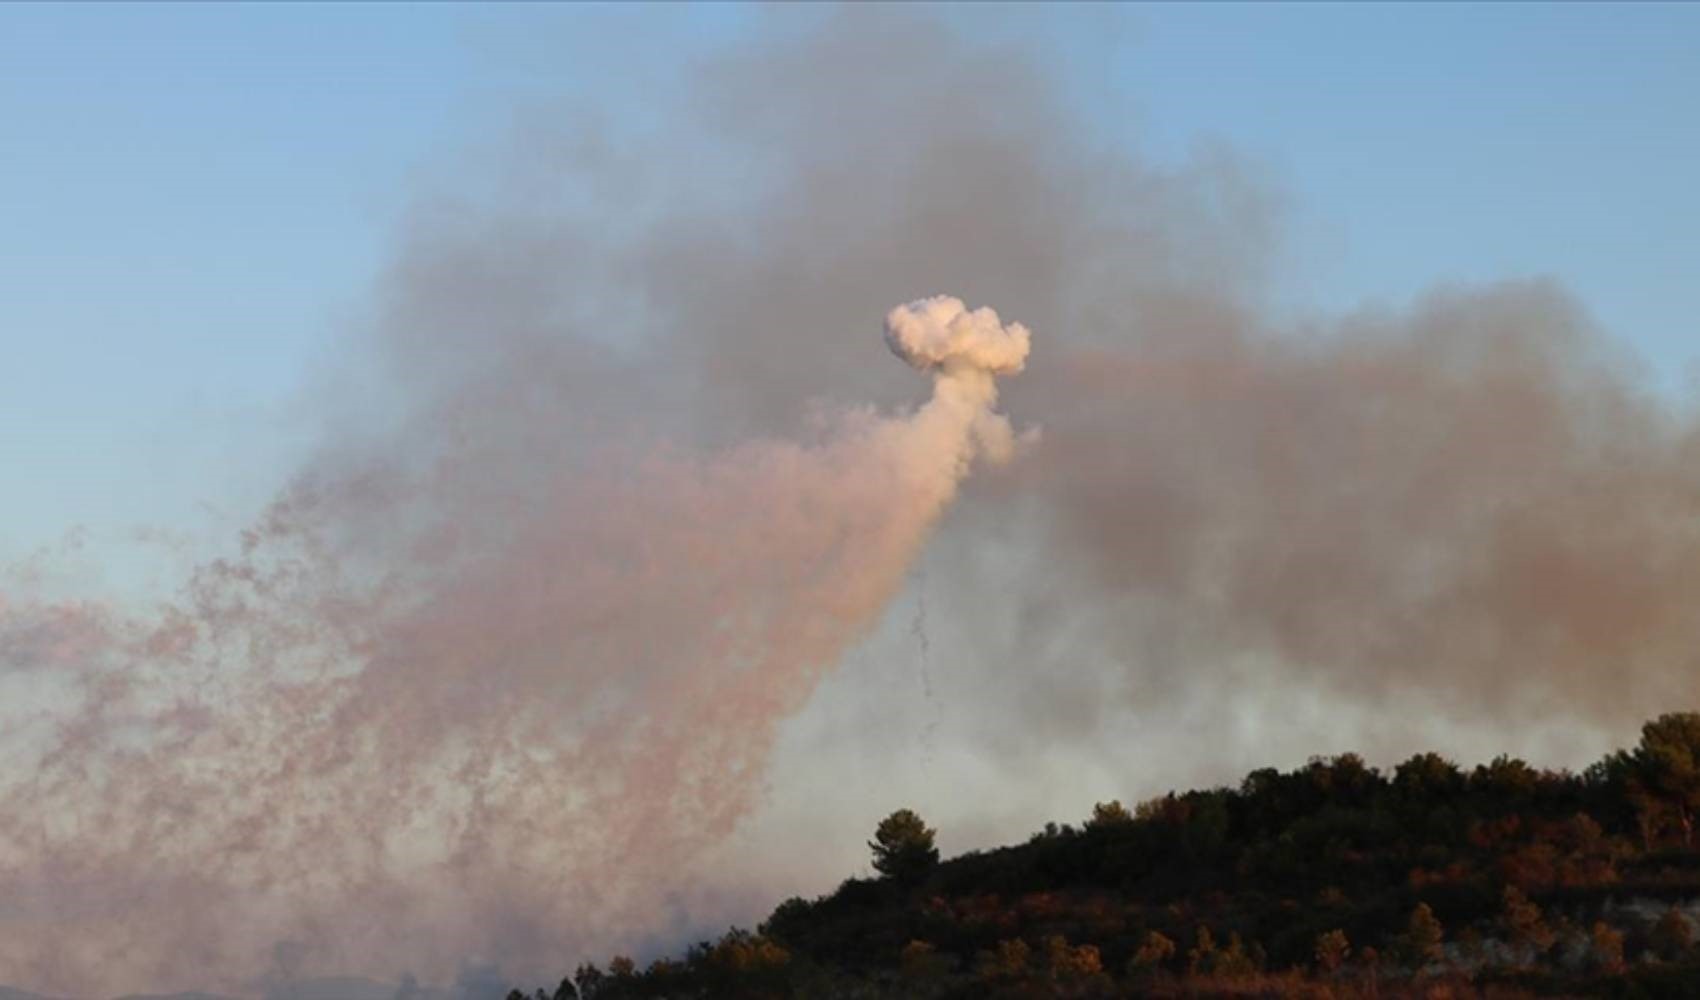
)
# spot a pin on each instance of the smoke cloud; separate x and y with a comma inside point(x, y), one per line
point(451, 755)
point(609, 486)
point(941, 333)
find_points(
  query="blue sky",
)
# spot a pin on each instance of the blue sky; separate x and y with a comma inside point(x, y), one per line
point(1554, 140)
point(194, 199)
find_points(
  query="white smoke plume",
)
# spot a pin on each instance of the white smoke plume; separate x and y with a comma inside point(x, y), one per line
point(504, 741)
point(965, 349)
point(942, 333)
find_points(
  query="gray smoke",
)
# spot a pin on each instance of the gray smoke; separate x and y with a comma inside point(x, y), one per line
point(612, 483)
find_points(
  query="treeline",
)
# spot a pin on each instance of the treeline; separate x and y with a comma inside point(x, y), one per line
point(1335, 879)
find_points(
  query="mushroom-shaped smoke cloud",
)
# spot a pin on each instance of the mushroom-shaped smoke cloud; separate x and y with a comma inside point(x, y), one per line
point(941, 332)
point(964, 349)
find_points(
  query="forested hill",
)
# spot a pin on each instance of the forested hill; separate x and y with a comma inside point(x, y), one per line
point(1332, 880)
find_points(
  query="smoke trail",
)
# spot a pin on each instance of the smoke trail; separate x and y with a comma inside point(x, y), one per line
point(490, 678)
point(399, 766)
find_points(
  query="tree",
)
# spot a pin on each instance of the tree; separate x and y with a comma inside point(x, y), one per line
point(1234, 961)
point(787, 916)
point(1153, 952)
point(1618, 778)
point(1427, 776)
point(1109, 814)
point(1077, 966)
point(1668, 762)
point(1201, 957)
point(589, 980)
point(1345, 778)
point(741, 953)
point(1505, 778)
point(1009, 961)
point(1422, 937)
point(903, 847)
point(1524, 924)
point(1332, 950)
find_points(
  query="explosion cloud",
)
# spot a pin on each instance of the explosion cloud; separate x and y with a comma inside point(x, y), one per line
point(941, 333)
point(500, 666)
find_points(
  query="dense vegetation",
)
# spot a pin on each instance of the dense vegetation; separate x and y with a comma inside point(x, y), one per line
point(1332, 880)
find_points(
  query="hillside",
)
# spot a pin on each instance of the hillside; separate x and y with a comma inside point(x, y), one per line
point(1332, 880)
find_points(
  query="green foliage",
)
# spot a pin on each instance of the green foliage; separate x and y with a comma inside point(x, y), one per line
point(1427, 776)
point(1108, 815)
point(903, 847)
point(589, 980)
point(1306, 876)
point(786, 917)
point(1668, 763)
point(1506, 778)
point(741, 953)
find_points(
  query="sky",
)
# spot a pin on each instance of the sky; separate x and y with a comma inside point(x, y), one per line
point(195, 199)
point(236, 240)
